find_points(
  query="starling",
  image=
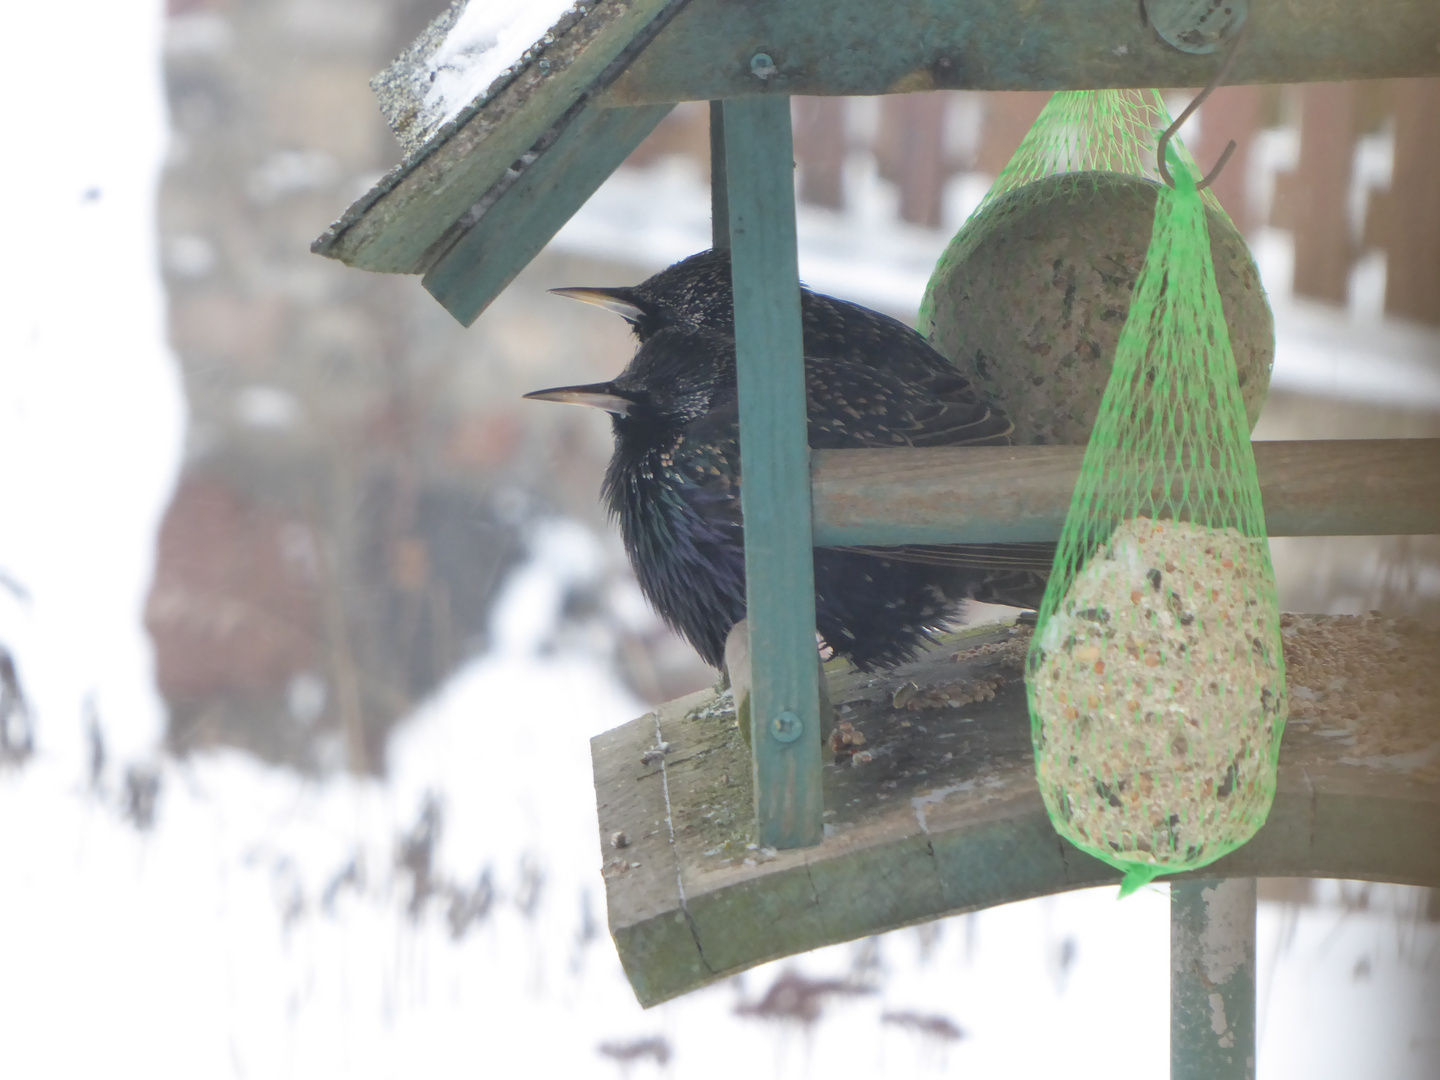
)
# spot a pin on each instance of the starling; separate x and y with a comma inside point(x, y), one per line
point(696, 292)
point(674, 486)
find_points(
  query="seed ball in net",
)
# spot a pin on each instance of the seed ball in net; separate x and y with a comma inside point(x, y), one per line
point(1161, 695)
point(1029, 298)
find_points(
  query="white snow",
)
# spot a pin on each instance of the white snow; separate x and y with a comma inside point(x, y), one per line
point(488, 37)
point(91, 413)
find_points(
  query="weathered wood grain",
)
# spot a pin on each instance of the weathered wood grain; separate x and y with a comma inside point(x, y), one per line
point(1359, 487)
point(775, 459)
point(476, 260)
point(947, 818)
point(648, 52)
point(860, 47)
point(393, 226)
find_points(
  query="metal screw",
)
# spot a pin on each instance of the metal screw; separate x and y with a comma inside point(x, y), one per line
point(761, 66)
point(786, 727)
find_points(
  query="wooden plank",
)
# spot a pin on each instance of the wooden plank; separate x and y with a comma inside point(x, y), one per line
point(1212, 980)
point(478, 258)
point(1406, 218)
point(910, 152)
point(947, 818)
point(395, 225)
point(985, 494)
point(775, 459)
point(820, 150)
point(839, 47)
point(1312, 200)
point(719, 186)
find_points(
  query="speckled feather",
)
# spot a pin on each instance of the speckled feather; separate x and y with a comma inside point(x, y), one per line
point(674, 486)
point(696, 292)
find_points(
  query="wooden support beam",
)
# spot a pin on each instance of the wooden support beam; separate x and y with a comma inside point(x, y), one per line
point(655, 52)
point(719, 186)
point(476, 259)
point(946, 817)
point(1212, 980)
point(984, 494)
point(843, 47)
point(775, 459)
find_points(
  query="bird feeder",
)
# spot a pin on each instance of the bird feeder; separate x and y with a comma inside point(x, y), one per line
point(947, 817)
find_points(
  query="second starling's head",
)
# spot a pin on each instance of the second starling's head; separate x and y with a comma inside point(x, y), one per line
point(678, 375)
point(694, 293)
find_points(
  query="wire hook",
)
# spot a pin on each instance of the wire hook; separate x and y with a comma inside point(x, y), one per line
point(1169, 133)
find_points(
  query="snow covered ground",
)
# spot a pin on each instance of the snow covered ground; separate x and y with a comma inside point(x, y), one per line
point(448, 921)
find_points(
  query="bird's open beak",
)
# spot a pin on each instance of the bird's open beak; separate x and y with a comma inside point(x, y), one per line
point(596, 395)
point(616, 300)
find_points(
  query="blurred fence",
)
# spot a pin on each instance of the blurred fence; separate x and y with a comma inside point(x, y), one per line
point(1350, 169)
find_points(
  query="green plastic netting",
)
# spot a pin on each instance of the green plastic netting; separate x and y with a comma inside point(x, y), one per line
point(1029, 297)
point(1080, 136)
point(1155, 676)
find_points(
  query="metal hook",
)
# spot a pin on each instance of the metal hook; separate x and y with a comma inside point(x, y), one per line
point(1169, 133)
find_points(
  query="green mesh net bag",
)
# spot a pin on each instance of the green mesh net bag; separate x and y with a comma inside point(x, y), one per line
point(1029, 298)
point(1155, 675)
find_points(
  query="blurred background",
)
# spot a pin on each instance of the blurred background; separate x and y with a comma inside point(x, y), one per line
point(306, 618)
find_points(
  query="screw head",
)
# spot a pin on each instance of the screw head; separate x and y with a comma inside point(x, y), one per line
point(761, 66)
point(786, 727)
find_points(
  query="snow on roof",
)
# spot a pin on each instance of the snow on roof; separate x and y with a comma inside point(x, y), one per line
point(488, 37)
point(459, 58)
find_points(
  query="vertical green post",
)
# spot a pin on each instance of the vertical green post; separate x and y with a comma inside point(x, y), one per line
point(719, 186)
point(1212, 980)
point(775, 466)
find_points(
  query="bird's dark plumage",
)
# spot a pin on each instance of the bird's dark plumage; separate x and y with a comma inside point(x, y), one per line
point(674, 481)
point(696, 293)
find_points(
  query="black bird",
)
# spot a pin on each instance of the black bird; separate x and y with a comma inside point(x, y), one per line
point(696, 292)
point(674, 485)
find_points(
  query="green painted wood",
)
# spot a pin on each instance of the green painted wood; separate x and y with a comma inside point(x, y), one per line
point(396, 224)
point(1212, 979)
point(947, 817)
point(862, 47)
point(482, 256)
point(775, 464)
point(719, 198)
point(996, 494)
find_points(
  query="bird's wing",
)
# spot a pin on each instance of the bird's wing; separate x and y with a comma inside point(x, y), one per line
point(1013, 574)
point(854, 405)
point(835, 327)
point(1025, 556)
point(838, 328)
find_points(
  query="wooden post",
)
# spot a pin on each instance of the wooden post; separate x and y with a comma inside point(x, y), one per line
point(911, 152)
point(820, 150)
point(1311, 201)
point(719, 186)
point(775, 464)
point(1212, 980)
point(1407, 217)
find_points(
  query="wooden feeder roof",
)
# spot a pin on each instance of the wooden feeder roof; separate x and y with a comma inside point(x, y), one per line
point(478, 196)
